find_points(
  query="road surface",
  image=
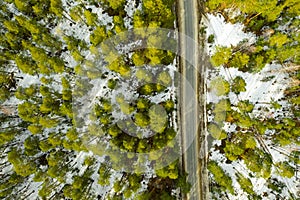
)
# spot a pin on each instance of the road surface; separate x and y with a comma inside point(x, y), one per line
point(192, 106)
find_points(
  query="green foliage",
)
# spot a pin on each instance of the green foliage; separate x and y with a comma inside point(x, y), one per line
point(7, 136)
point(72, 134)
point(232, 151)
point(216, 132)
point(127, 193)
point(106, 105)
point(99, 35)
point(28, 112)
point(22, 5)
point(66, 110)
point(114, 131)
point(31, 25)
point(239, 60)
point(147, 89)
point(239, 144)
point(221, 178)
point(259, 162)
point(4, 94)
point(118, 65)
point(211, 39)
point(295, 157)
point(26, 65)
point(126, 108)
point(91, 18)
point(250, 143)
point(170, 171)
point(77, 56)
point(48, 122)
point(11, 26)
point(164, 78)
point(39, 176)
point(118, 186)
point(22, 166)
point(245, 184)
point(223, 105)
point(295, 100)
point(285, 169)
point(275, 185)
point(214, 4)
point(238, 85)
point(119, 24)
point(221, 56)
point(116, 4)
point(142, 104)
point(41, 8)
point(55, 139)
point(183, 184)
point(56, 7)
point(243, 120)
point(245, 106)
point(278, 40)
point(159, 11)
point(222, 112)
point(112, 83)
point(31, 145)
point(104, 175)
point(138, 58)
point(138, 20)
point(169, 105)
point(144, 75)
point(220, 86)
point(45, 146)
point(76, 13)
point(154, 55)
point(158, 118)
point(275, 44)
point(141, 119)
point(35, 42)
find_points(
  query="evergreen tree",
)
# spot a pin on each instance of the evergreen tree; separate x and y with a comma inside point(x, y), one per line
point(220, 86)
point(158, 118)
point(221, 178)
point(221, 57)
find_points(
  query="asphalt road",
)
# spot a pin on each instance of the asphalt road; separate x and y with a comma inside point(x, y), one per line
point(189, 90)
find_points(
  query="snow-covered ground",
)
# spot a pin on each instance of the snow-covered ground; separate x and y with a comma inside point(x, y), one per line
point(259, 91)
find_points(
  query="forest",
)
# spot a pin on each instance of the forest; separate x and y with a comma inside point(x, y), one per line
point(53, 55)
point(264, 146)
point(61, 140)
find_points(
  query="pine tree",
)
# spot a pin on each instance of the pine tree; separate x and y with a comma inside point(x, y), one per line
point(239, 60)
point(99, 35)
point(158, 118)
point(56, 7)
point(285, 169)
point(144, 75)
point(26, 65)
point(221, 57)
point(22, 165)
point(31, 145)
point(91, 18)
point(216, 132)
point(220, 176)
point(164, 78)
point(23, 6)
point(220, 86)
point(116, 4)
point(141, 119)
point(245, 184)
point(104, 175)
point(28, 112)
